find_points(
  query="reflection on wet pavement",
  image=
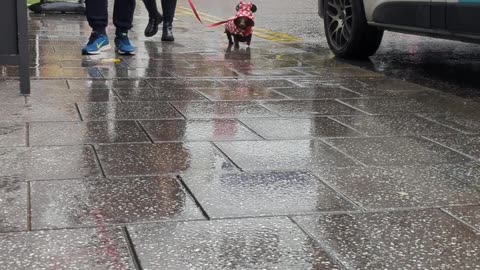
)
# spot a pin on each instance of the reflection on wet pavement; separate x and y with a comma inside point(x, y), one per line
point(191, 155)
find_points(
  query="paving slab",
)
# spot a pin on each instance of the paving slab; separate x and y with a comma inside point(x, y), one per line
point(393, 125)
point(240, 94)
point(468, 173)
point(77, 203)
point(284, 155)
point(466, 144)
point(385, 151)
point(74, 133)
point(257, 84)
point(228, 244)
point(59, 162)
point(101, 248)
point(263, 194)
point(298, 128)
point(467, 214)
point(198, 130)
point(13, 134)
point(400, 187)
point(399, 240)
point(222, 109)
point(156, 159)
point(183, 84)
point(301, 108)
point(127, 111)
point(391, 105)
point(149, 94)
point(464, 122)
point(39, 112)
point(13, 206)
point(320, 92)
point(70, 96)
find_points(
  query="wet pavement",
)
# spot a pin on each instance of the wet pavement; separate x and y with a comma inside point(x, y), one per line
point(193, 156)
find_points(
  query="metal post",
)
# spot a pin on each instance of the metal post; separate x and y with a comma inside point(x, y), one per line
point(23, 63)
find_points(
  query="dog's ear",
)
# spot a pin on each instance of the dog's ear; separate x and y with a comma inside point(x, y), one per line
point(254, 8)
point(238, 7)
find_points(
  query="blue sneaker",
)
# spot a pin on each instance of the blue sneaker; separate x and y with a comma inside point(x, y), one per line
point(97, 43)
point(123, 44)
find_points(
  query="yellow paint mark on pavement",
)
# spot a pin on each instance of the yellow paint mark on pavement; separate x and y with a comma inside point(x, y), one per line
point(259, 32)
point(111, 60)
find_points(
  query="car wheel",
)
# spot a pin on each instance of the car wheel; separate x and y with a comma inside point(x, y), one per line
point(347, 31)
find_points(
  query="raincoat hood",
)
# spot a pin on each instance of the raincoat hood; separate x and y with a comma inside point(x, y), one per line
point(244, 10)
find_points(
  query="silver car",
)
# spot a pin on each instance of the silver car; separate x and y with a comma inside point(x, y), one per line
point(354, 28)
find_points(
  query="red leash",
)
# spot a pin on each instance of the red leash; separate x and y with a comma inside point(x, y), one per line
point(192, 6)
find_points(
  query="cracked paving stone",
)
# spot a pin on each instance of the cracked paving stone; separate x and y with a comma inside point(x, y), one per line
point(263, 194)
point(299, 108)
point(397, 187)
point(39, 163)
point(159, 95)
point(198, 130)
point(386, 151)
point(73, 133)
point(467, 214)
point(13, 206)
point(222, 109)
point(100, 249)
point(284, 155)
point(128, 111)
point(155, 159)
point(274, 243)
point(398, 240)
point(299, 128)
point(74, 203)
point(13, 134)
point(466, 144)
point(393, 125)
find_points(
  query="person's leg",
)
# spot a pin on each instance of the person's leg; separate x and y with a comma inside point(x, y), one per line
point(155, 18)
point(97, 16)
point(123, 11)
point(168, 7)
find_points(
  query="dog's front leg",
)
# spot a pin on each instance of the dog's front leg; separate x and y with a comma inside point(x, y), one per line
point(237, 41)
point(229, 36)
point(249, 40)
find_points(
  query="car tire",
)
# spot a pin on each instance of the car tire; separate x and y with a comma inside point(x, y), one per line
point(347, 31)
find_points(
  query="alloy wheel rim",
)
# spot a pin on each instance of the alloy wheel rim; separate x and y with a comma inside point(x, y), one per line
point(339, 20)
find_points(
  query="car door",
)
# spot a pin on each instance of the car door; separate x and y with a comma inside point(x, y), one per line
point(463, 16)
point(407, 13)
point(438, 14)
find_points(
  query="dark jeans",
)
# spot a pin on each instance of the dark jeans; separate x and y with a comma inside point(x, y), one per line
point(168, 8)
point(97, 14)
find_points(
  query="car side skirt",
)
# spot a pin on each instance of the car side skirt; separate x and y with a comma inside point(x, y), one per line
point(436, 33)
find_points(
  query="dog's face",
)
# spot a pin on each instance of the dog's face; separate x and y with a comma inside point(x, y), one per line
point(244, 23)
point(245, 16)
